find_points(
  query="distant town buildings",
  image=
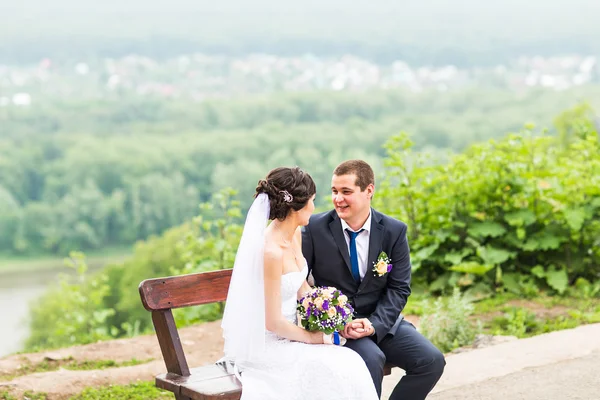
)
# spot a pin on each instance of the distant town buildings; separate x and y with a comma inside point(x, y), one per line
point(200, 76)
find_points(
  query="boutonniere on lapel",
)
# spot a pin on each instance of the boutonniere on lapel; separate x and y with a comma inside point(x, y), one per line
point(383, 265)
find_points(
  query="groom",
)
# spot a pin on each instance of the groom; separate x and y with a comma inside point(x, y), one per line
point(342, 247)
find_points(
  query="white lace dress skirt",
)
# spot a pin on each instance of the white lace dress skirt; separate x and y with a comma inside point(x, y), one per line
point(297, 371)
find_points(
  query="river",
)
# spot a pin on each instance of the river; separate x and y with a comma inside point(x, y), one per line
point(17, 291)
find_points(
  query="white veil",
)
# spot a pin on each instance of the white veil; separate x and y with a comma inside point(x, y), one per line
point(244, 317)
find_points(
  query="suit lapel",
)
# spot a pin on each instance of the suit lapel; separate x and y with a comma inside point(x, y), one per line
point(336, 231)
point(375, 246)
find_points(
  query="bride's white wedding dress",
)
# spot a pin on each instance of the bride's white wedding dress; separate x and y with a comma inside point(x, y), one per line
point(297, 371)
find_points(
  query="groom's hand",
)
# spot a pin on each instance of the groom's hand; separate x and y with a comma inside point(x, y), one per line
point(358, 328)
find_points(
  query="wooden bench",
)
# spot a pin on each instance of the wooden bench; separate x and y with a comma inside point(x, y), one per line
point(160, 296)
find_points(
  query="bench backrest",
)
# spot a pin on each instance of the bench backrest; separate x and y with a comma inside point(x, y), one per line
point(185, 290)
point(160, 295)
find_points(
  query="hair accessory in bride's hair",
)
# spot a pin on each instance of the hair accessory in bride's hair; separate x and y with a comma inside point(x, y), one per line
point(287, 197)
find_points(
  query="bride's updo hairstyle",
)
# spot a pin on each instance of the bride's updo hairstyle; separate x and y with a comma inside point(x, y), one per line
point(288, 189)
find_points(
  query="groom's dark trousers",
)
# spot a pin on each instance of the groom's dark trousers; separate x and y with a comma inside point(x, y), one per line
point(378, 298)
point(406, 349)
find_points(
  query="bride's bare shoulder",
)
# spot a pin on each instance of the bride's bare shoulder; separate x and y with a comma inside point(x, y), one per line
point(273, 251)
point(273, 261)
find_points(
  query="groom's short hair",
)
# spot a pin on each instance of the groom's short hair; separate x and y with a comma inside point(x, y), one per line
point(362, 170)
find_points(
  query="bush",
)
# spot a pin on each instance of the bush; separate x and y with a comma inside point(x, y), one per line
point(446, 322)
point(72, 312)
point(521, 214)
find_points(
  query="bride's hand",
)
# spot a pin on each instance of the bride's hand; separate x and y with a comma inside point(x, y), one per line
point(316, 337)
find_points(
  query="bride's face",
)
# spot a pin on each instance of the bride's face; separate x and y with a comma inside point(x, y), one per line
point(304, 213)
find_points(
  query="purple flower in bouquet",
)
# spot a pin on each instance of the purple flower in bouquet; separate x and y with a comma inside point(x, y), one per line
point(324, 309)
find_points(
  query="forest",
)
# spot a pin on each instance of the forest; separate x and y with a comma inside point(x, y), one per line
point(84, 176)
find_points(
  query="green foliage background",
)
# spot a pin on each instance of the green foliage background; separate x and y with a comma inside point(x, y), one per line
point(85, 176)
point(518, 214)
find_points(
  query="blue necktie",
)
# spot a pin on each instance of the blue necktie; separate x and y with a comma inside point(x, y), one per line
point(354, 254)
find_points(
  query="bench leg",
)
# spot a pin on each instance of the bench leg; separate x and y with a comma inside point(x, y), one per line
point(182, 397)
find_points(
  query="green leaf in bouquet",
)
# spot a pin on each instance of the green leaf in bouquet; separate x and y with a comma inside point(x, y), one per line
point(486, 229)
point(472, 267)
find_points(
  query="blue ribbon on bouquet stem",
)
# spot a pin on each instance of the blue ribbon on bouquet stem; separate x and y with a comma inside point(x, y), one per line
point(336, 338)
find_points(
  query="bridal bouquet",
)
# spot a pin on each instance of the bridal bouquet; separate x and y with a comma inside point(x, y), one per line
point(324, 309)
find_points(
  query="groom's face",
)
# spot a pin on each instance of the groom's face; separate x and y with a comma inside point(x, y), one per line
point(351, 204)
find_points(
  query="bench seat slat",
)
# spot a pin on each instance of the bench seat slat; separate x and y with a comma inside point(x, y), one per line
point(207, 382)
point(225, 388)
point(172, 382)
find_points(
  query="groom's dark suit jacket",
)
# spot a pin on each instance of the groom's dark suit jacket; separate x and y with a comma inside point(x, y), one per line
point(381, 299)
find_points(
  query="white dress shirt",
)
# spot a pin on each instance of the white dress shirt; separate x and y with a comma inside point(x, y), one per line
point(362, 244)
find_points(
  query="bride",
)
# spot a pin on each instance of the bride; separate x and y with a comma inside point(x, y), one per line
point(274, 357)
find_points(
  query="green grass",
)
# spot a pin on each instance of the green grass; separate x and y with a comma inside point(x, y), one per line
point(11, 263)
point(504, 302)
point(69, 363)
point(451, 323)
point(543, 315)
point(29, 395)
point(134, 391)
point(509, 314)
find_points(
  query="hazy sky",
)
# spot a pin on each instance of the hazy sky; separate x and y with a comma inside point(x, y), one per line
point(377, 17)
point(420, 31)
